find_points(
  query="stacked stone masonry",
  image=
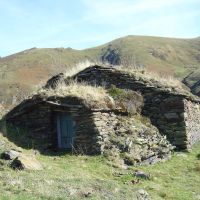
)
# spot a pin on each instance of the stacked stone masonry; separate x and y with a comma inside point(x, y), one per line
point(97, 131)
point(192, 121)
point(176, 115)
point(38, 120)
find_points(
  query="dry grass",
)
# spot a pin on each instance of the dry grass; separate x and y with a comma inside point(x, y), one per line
point(93, 96)
point(79, 67)
point(149, 76)
point(83, 65)
point(140, 72)
point(165, 80)
point(2, 111)
point(97, 96)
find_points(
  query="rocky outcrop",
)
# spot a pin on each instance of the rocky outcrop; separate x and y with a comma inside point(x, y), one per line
point(111, 55)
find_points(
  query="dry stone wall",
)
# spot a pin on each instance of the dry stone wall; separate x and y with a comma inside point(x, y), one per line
point(192, 121)
point(39, 124)
point(130, 143)
point(96, 131)
point(163, 105)
point(37, 120)
point(31, 127)
point(134, 141)
point(167, 113)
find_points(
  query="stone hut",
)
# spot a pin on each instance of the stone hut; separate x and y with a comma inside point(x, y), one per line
point(86, 119)
point(175, 112)
point(63, 122)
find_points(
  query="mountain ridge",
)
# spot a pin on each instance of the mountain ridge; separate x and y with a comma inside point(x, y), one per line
point(22, 71)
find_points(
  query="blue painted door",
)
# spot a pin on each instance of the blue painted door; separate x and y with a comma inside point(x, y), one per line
point(65, 131)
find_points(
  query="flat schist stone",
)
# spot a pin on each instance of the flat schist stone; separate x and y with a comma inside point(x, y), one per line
point(26, 162)
point(10, 155)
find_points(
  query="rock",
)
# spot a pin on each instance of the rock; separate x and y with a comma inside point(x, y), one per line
point(135, 181)
point(152, 160)
point(87, 193)
point(141, 174)
point(10, 155)
point(2, 144)
point(198, 197)
point(183, 155)
point(142, 195)
point(72, 191)
point(26, 163)
point(110, 102)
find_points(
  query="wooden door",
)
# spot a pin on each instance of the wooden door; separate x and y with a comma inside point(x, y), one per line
point(65, 131)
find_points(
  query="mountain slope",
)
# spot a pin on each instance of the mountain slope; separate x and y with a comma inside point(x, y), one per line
point(19, 73)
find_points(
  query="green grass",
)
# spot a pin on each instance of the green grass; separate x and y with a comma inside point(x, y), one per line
point(72, 177)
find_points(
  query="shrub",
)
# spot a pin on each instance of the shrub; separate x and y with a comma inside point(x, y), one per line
point(130, 100)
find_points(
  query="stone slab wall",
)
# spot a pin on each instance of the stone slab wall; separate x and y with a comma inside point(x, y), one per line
point(167, 114)
point(129, 141)
point(39, 125)
point(96, 132)
point(105, 124)
point(192, 121)
point(165, 108)
point(33, 124)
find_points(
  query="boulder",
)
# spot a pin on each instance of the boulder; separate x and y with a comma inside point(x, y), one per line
point(10, 155)
point(141, 174)
point(142, 195)
point(26, 162)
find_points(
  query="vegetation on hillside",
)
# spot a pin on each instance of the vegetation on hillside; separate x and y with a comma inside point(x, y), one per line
point(20, 72)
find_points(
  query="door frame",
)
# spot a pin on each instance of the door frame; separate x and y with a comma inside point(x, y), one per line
point(59, 129)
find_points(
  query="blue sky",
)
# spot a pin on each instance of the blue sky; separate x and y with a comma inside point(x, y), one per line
point(86, 23)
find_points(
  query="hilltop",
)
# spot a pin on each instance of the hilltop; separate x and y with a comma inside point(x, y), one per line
point(21, 72)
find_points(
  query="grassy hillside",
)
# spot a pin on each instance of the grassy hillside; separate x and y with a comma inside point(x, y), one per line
point(19, 73)
point(68, 176)
point(167, 55)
